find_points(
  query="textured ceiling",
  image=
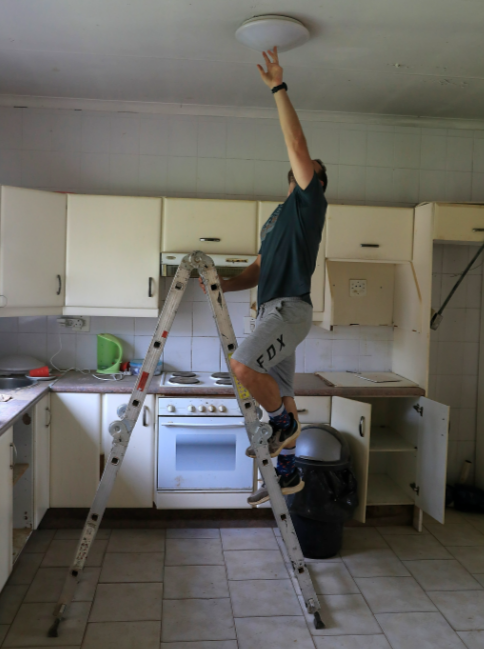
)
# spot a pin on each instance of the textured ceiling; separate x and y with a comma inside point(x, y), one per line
point(414, 57)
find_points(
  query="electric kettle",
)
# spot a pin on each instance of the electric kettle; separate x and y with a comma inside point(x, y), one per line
point(109, 353)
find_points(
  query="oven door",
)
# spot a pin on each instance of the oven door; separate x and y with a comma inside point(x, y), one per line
point(203, 453)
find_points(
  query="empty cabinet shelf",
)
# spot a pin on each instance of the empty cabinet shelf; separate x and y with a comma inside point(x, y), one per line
point(383, 491)
point(18, 471)
point(384, 439)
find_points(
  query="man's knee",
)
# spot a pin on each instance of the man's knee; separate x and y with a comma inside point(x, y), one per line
point(241, 371)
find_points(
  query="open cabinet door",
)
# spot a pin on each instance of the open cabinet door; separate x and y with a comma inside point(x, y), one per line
point(353, 420)
point(432, 458)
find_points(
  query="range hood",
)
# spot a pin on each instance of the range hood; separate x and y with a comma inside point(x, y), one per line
point(227, 265)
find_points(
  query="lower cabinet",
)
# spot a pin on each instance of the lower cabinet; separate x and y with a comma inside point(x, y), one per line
point(41, 458)
point(6, 504)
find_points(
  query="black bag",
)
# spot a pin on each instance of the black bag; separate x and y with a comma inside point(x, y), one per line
point(468, 499)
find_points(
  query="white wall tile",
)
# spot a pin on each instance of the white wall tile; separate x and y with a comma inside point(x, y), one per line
point(203, 323)
point(478, 155)
point(32, 324)
point(477, 192)
point(211, 175)
point(345, 347)
point(94, 171)
point(379, 184)
point(351, 183)
point(473, 291)
point(406, 185)
point(66, 170)
point(141, 345)
point(470, 357)
point(323, 141)
point(269, 141)
point(212, 137)
point(36, 168)
point(205, 354)
point(123, 173)
point(317, 355)
point(117, 326)
point(124, 135)
point(239, 178)
point(450, 359)
point(472, 325)
point(34, 344)
point(432, 186)
point(433, 151)
point(467, 424)
point(240, 138)
point(11, 167)
point(182, 175)
point(459, 154)
point(8, 344)
point(459, 298)
point(8, 325)
point(86, 352)
point(153, 135)
point(455, 258)
point(380, 149)
point(66, 130)
point(332, 174)
point(452, 327)
point(469, 391)
point(449, 390)
point(270, 178)
point(95, 132)
point(346, 333)
point(145, 326)
point(178, 354)
point(238, 296)
point(458, 186)
point(352, 148)
point(237, 312)
point(152, 173)
point(407, 150)
point(10, 127)
point(64, 348)
point(345, 363)
point(182, 135)
point(37, 130)
point(182, 324)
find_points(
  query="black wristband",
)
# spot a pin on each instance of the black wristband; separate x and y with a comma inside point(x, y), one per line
point(276, 88)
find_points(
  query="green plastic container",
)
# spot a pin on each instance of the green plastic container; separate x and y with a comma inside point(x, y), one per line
point(109, 353)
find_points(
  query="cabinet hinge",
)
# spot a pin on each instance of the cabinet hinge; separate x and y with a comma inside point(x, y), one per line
point(419, 409)
point(415, 488)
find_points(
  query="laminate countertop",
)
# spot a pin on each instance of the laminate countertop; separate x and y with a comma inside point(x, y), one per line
point(23, 399)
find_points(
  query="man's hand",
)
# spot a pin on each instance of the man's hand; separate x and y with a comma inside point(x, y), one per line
point(273, 76)
point(222, 282)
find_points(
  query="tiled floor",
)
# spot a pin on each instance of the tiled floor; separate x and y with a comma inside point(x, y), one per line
point(390, 588)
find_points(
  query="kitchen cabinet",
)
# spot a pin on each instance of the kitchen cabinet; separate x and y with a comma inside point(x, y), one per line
point(6, 504)
point(75, 449)
point(41, 457)
point(369, 233)
point(458, 223)
point(212, 226)
point(32, 252)
point(113, 255)
point(134, 486)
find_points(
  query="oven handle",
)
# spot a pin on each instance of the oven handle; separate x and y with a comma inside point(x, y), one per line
point(203, 425)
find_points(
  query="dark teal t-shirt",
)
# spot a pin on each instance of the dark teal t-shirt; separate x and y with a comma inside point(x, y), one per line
point(290, 243)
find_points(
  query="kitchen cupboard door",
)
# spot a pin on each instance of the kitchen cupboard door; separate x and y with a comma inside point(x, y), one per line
point(212, 226)
point(32, 251)
point(41, 455)
point(6, 504)
point(134, 485)
point(75, 449)
point(454, 222)
point(113, 255)
point(353, 420)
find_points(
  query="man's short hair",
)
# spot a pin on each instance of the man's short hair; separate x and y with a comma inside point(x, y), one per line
point(320, 173)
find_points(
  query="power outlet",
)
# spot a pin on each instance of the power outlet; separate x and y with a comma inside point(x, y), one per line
point(249, 324)
point(357, 287)
point(75, 324)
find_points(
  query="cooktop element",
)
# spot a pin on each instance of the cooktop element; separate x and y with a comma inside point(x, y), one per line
point(196, 379)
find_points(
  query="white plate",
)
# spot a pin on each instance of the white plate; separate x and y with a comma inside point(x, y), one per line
point(41, 378)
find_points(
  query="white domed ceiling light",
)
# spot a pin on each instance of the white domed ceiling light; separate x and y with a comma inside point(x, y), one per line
point(264, 32)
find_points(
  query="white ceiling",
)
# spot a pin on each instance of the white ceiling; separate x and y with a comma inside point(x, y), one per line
point(184, 51)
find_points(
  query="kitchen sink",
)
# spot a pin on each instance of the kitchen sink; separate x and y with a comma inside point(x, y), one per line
point(7, 383)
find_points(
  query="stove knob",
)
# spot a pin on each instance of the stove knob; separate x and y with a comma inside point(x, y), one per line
point(221, 408)
point(211, 408)
point(170, 408)
point(191, 408)
point(201, 408)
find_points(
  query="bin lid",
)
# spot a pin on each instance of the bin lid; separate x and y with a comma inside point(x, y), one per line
point(322, 444)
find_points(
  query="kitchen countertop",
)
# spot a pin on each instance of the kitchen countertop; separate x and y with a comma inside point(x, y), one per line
point(24, 399)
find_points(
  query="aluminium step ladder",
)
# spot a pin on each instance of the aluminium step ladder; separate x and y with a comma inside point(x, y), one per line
point(258, 433)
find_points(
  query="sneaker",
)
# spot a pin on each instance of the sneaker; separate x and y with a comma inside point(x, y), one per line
point(289, 484)
point(280, 438)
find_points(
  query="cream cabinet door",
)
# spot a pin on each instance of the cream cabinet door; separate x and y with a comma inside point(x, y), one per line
point(212, 226)
point(134, 485)
point(75, 449)
point(371, 233)
point(113, 255)
point(32, 251)
point(41, 455)
point(454, 222)
point(6, 504)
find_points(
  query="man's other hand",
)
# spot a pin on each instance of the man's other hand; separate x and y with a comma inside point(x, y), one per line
point(273, 76)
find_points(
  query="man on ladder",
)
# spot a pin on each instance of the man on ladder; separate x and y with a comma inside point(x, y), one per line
point(265, 362)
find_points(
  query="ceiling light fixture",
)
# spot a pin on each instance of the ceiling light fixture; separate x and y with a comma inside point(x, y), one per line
point(264, 32)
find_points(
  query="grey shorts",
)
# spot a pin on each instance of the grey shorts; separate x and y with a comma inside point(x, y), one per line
point(281, 325)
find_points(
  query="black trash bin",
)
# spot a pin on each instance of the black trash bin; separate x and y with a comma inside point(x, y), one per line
point(329, 497)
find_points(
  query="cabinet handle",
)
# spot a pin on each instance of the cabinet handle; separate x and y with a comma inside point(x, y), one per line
point(361, 427)
point(150, 287)
point(370, 245)
point(477, 229)
point(145, 416)
point(59, 287)
point(210, 239)
point(302, 410)
point(47, 417)
point(12, 462)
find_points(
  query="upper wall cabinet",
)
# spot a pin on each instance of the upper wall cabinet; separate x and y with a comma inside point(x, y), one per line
point(212, 226)
point(453, 222)
point(32, 252)
point(113, 255)
point(369, 233)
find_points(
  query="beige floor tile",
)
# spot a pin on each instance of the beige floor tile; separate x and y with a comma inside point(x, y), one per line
point(343, 615)
point(132, 567)
point(255, 564)
point(10, 599)
point(127, 603)
point(479, 578)
point(3, 631)
point(39, 541)
point(32, 622)
point(464, 612)
point(363, 539)
point(286, 632)
point(204, 644)
point(62, 552)
point(409, 530)
point(194, 552)
point(48, 582)
point(193, 533)
point(477, 521)
point(137, 541)
point(457, 534)
point(332, 579)
point(263, 597)
point(248, 538)
point(187, 620)
point(472, 639)
point(451, 516)
point(441, 575)
point(410, 548)
point(373, 563)
point(352, 642)
point(25, 568)
point(394, 595)
point(418, 631)
point(66, 534)
point(471, 558)
point(122, 635)
point(195, 582)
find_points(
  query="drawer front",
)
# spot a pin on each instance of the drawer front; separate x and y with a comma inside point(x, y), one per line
point(459, 222)
point(212, 226)
point(372, 233)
